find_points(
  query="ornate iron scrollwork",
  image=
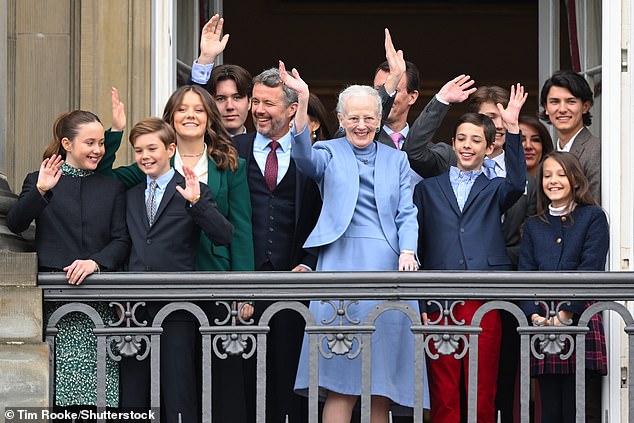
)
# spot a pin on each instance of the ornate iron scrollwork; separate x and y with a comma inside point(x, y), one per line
point(446, 343)
point(233, 343)
point(340, 343)
point(127, 345)
point(552, 343)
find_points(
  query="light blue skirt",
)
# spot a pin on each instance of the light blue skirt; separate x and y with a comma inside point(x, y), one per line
point(392, 342)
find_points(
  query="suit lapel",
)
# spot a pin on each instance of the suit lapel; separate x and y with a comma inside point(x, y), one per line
point(170, 190)
point(579, 144)
point(480, 183)
point(138, 205)
point(447, 190)
point(384, 138)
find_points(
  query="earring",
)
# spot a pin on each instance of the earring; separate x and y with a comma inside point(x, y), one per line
point(314, 136)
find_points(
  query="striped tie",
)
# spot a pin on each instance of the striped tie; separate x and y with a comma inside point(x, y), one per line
point(150, 205)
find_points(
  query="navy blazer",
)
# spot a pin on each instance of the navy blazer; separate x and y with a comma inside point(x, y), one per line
point(332, 164)
point(171, 243)
point(307, 204)
point(471, 239)
point(579, 241)
point(79, 218)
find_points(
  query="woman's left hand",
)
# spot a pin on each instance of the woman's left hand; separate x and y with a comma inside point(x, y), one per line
point(407, 262)
point(293, 80)
point(79, 269)
point(296, 83)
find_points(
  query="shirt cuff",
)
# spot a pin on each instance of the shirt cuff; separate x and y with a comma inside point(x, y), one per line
point(295, 132)
point(305, 266)
point(201, 73)
point(446, 103)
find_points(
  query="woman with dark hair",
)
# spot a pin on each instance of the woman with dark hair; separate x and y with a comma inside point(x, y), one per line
point(536, 141)
point(317, 119)
point(570, 232)
point(80, 230)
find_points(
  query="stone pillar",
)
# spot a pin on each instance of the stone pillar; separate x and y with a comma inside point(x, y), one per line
point(24, 368)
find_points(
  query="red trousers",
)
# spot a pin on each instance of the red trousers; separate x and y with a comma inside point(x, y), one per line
point(444, 373)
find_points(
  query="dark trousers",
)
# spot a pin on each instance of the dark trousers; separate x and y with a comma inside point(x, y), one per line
point(283, 347)
point(557, 393)
point(507, 370)
point(178, 372)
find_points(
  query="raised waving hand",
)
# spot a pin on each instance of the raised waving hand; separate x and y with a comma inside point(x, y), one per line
point(457, 90)
point(296, 83)
point(191, 192)
point(511, 114)
point(395, 61)
point(118, 111)
point(212, 42)
point(49, 174)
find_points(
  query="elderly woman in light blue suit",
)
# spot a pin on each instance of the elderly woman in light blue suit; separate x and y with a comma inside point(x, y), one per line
point(367, 222)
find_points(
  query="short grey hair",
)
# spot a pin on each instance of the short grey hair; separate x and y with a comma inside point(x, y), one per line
point(359, 91)
point(271, 78)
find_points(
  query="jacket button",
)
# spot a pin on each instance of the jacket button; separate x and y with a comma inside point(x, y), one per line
point(558, 240)
point(563, 218)
point(462, 230)
point(271, 229)
point(271, 218)
point(148, 241)
point(461, 261)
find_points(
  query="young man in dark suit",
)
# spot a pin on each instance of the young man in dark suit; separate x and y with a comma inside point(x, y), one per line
point(164, 218)
point(459, 214)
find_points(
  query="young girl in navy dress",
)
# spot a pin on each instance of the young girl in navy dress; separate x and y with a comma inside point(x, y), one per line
point(570, 232)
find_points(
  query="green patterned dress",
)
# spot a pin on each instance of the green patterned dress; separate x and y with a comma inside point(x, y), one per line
point(76, 349)
point(76, 358)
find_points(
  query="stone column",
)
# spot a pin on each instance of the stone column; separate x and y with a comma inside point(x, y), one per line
point(24, 368)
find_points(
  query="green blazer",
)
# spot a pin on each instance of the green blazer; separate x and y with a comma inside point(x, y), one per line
point(228, 188)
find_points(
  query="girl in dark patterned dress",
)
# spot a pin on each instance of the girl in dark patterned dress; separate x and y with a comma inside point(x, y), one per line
point(570, 232)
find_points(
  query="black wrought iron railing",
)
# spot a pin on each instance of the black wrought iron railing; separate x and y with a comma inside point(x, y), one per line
point(230, 335)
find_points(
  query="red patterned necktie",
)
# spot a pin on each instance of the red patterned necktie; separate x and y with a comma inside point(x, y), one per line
point(270, 169)
point(397, 137)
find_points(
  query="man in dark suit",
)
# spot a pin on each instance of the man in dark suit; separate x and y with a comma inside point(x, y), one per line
point(164, 218)
point(284, 203)
point(397, 82)
point(426, 158)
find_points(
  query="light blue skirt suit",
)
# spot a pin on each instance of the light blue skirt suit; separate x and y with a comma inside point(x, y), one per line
point(367, 218)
